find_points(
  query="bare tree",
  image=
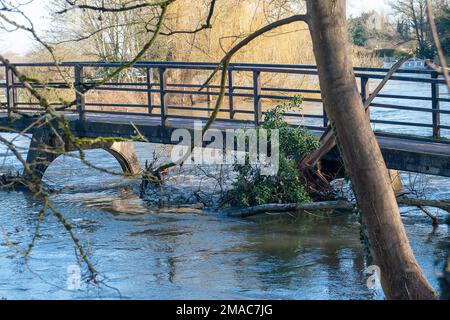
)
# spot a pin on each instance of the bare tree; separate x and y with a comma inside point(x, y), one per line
point(107, 36)
point(12, 17)
point(413, 13)
point(412, 20)
point(442, 69)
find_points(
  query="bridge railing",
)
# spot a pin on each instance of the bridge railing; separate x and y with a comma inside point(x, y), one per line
point(413, 105)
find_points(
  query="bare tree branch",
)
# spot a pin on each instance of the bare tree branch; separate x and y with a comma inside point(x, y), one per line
point(443, 69)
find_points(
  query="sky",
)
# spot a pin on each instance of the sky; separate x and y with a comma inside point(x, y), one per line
point(19, 42)
point(356, 7)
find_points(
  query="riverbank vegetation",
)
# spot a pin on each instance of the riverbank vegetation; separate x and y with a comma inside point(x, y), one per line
point(252, 187)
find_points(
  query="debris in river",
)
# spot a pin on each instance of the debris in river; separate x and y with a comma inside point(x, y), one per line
point(10, 180)
point(16, 181)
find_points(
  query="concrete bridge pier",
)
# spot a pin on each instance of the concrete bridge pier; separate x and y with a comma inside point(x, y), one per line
point(38, 159)
point(45, 147)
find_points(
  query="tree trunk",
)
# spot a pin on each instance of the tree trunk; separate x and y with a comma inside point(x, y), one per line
point(401, 276)
point(445, 281)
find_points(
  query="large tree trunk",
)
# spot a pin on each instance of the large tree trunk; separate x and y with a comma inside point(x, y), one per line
point(445, 281)
point(401, 276)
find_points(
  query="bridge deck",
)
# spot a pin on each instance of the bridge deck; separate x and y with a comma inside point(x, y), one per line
point(401, 153)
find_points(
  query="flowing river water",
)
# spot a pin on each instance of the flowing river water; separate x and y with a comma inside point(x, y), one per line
point(142, 252)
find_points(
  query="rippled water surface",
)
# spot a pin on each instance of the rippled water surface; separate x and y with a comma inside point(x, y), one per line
point(189, 254)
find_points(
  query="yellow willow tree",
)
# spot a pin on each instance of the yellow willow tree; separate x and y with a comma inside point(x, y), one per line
point(233, 21)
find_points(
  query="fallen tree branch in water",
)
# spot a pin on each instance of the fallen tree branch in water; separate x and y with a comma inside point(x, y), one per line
point(335, 205)
point(440, 204)
point(9, 180)
point(428, 213)
point(290, 207)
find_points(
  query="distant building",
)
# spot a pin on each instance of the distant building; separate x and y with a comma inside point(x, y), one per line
point(376, 21)
point(414, 63)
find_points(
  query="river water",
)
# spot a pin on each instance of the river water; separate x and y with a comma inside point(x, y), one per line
point(143, 252)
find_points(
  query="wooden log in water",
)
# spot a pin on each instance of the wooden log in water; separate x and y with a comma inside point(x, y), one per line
point(440, 204)
point(291, 207)
point(330, 205)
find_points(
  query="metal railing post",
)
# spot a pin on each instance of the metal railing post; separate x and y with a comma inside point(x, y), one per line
point(15, 96)
point(230, 92)
point(163, 95)
point(80, 98)
point(365, 92)
point(435, 106)
point(149, 88)
point(10, 99)
point(257, 97)
point(208, 97)
point(325, 117)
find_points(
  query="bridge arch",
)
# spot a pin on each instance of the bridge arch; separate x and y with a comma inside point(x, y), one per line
point(39, 160)
point(125, 155)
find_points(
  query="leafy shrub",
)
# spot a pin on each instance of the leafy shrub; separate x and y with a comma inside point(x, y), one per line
point(252, 188)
